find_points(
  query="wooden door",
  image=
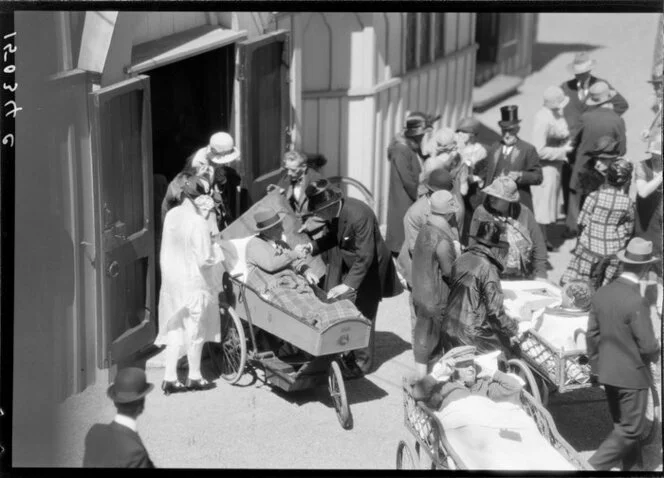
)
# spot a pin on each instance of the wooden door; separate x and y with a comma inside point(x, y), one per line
point(263, 67)
point(486, 36)
point(125, 261)
point(508, 35)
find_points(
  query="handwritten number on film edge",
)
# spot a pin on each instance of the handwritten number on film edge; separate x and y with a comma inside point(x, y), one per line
point(9, 69)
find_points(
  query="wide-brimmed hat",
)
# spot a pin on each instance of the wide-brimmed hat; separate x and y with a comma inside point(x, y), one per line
point(469, 125)
point(417, 123)
point(267, 219)
point(439, 179)
point(321, 194)
point(221, 149)
point(509, 117)
point(555, 97)
point(599, 93)
point(638, 251)
point(503, 187)
point(443, 202)
point(130, 385)
point(582, 63)
point(606, 147)
point(490, 233)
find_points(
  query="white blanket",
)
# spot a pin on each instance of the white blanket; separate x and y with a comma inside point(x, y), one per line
point(497, 436)
point(563, 331)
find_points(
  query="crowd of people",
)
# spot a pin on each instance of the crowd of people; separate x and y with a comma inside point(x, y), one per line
point(462, 217)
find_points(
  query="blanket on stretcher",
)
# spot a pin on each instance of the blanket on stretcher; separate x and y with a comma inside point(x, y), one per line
point(487, 435)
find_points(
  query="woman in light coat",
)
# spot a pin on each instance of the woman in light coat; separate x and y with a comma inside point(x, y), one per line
point(551, 138)
point(191, 281)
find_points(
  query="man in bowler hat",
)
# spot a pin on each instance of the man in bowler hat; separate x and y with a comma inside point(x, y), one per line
point(621, 346)
point(512, 157)
point(117, 444)
point(359, 264)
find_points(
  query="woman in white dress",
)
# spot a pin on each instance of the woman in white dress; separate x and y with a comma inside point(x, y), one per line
point(551, 138)
point(191, 281)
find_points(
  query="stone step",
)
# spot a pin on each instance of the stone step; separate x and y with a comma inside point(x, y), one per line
point(496, 88)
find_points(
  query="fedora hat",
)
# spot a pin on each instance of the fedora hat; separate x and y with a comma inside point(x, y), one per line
point(503, 187)
point(439, 179)
point(221, 149)
point(606, 147)
point(599, 93)
point(555, 97)
point(443, 202)
point(490, 234)
point(638, 251)
point(582, 63)
point(267, 219)
point(130, 385)
point(509, 117)
point(320, 194)
point(469, 125)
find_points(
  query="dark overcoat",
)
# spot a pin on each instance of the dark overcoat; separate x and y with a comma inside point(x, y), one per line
point(523, 158)
point(114, 446)
point(357, 255)
point(620, 339)
point(405, 171)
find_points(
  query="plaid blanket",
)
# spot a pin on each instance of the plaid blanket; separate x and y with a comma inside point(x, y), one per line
point(291, 292)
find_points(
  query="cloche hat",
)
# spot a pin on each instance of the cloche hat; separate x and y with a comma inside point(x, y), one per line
point(221, 149)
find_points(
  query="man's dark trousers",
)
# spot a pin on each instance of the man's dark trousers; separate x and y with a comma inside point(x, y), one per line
point(628, 410)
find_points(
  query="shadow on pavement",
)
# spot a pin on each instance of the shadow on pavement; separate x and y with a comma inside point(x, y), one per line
point(388, 346)
point(555, 234)
point(487, 136)
point(543, 53)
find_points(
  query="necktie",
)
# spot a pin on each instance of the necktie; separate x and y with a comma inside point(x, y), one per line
point(582, 91)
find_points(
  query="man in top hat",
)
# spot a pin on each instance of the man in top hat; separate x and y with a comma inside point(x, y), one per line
point(621, 346)
point(117, 444)
point(433, 257)
point(600, 120)
point(475, 314)
point(297, 176)
point(406, 159)
point(513, 157)
point(359, 264)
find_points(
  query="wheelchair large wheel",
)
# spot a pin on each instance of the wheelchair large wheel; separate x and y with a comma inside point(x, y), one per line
point(405, 457)
point(229, 356)
point(520, 368)
point(653, 416)
point(337, 389)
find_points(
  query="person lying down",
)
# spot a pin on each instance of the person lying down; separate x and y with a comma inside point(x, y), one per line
point(280, 274)
point(479, 409)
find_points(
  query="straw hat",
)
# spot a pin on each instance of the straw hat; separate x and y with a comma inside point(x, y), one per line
point(267, 219)
point(638, 251)
point(221, 149)
point(581, 63)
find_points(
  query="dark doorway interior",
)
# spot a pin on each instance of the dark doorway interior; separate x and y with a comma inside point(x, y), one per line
point(191, 99)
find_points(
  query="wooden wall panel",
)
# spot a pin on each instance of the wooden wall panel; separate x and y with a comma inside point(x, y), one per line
point(310, 125)
point(156, 25)
point(316, 54)
point(394, 43)
point(450, 32)
point(329, 134)
point(342, 25)
point(381, 57)
point(465, 30)
point(359, 158)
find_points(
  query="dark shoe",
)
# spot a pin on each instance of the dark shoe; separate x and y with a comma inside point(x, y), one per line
point(172, 387)
point(350, 369)
point(201, 384)
point(570, 234)
point(550, 247)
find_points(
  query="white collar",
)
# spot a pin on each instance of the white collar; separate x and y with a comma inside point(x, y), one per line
point(630, 277)
point(126, 421)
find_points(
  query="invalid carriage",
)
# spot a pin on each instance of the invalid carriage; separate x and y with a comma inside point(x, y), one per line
point(249, 314)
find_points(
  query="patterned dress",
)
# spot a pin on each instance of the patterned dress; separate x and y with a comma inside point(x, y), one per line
point(607, 218)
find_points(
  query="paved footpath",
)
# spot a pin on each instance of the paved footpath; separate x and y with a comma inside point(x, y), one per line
point(252, 426)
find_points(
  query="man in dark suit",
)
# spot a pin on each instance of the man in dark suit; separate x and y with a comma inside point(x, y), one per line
point(600, 120)
point(360, 266)
point(297, 176)
point(621, 346)
point(512, 157)
point(406, 157)
point(117, 444)
point(577, 90)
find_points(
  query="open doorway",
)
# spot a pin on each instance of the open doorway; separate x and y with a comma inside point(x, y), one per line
point(191, 99)
point(496, 35)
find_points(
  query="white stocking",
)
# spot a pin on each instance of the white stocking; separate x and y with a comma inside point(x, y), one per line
point(194, 358)
point(172, 354)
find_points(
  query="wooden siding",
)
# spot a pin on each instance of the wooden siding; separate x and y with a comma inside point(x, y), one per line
point(520, 64)
point(156, 25)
